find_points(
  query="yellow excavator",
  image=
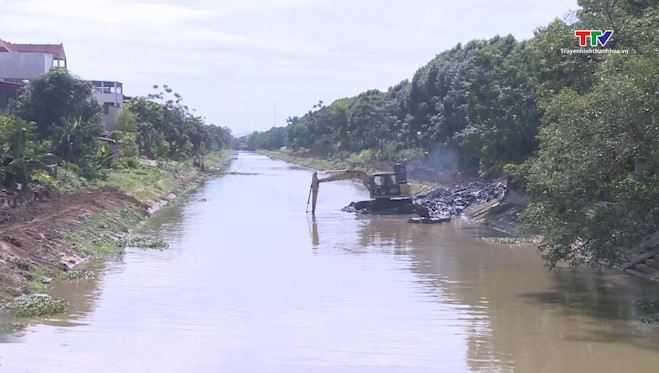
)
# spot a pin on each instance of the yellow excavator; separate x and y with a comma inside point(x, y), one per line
point(389, 191)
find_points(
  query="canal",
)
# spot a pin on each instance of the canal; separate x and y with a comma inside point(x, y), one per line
point(251, 283)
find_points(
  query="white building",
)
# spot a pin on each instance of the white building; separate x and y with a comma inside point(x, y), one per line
point(24, 62)
point(20, 62)
point(110, 96)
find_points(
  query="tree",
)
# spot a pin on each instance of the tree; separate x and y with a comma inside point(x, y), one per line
point(21, 155)
point(595, 181)
point(167, 129)
point(56, 98)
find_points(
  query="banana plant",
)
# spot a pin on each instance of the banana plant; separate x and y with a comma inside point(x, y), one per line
point(17, 166)
point(67, 137)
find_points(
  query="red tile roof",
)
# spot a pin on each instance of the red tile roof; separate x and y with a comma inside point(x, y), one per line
point(57, 50)
point(7, 46)
point(9, 86)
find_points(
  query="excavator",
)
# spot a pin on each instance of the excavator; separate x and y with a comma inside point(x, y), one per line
point(389, 191)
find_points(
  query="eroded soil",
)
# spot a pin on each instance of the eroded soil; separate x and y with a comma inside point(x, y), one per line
point(33, 237)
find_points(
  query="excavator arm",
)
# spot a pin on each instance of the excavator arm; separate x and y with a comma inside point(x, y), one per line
point(338, 175)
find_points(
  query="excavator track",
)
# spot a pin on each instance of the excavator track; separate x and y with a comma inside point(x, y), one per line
point(384, 206)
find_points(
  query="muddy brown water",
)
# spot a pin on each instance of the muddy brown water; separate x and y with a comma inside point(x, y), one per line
point(251, 283)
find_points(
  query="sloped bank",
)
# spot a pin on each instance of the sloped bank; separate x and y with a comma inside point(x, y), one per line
point(501, 213)
point(42, 238)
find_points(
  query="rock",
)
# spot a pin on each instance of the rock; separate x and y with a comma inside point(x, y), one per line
point(452, 201)
point(67, 263)
point(12, 240)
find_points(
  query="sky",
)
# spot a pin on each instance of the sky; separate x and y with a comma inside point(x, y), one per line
point(250, 64)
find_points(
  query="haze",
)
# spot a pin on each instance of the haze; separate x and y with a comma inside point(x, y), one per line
point(250, 64)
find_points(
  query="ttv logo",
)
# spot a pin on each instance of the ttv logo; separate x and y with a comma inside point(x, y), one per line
point(596, 37)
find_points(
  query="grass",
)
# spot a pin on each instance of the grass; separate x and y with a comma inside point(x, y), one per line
point(35, 281)
point(148, 184)
point(35, 286)
point(106, 233)
point(103, 234)
point(13, 327)
point(323, 164)
point(97, 237)
point(95, 249)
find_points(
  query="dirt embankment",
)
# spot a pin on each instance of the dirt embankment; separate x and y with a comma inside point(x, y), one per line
point(42, 236)
point(33, 236)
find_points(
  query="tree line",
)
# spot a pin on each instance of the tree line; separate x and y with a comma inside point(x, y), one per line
point(578, 131)
point(55, 121)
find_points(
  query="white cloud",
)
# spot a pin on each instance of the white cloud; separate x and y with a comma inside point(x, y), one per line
point(107, 12)
point(233, 7)
point(230, 57)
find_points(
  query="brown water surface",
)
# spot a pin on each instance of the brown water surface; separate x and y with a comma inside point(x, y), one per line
point(251, 283)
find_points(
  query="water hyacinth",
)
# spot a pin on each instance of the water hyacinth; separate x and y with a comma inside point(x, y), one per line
point(143, 242)
point(509, 240)
point(83, 274)
point(37, 305)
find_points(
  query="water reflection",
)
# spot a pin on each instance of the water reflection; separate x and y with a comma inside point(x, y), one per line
point(239, 289)
point(519, 316)
point(315, 241)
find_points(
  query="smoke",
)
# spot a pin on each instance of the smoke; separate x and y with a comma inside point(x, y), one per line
point(441, 158)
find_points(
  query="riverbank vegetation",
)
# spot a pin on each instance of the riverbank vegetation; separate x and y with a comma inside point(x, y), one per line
point(95, 184)
point(33, 305)
point(577, 131)
point(56, 124)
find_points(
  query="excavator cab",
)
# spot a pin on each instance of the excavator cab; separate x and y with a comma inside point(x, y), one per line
point(390, 185)
point(384, 185)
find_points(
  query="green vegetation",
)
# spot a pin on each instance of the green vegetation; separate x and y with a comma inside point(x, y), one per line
point(78, 274)
point(147, 183)
point(98, 233)
point(330, 163)
point(577, 131)
point(34, 305)
point(143, 242)
point(509, 240)
point(14, 327)
point(54, 134)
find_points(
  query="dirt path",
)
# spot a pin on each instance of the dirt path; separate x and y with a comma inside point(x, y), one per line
point(32, 236)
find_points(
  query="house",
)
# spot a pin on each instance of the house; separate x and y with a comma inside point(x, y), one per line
point(20, 62)
point(110, 96)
